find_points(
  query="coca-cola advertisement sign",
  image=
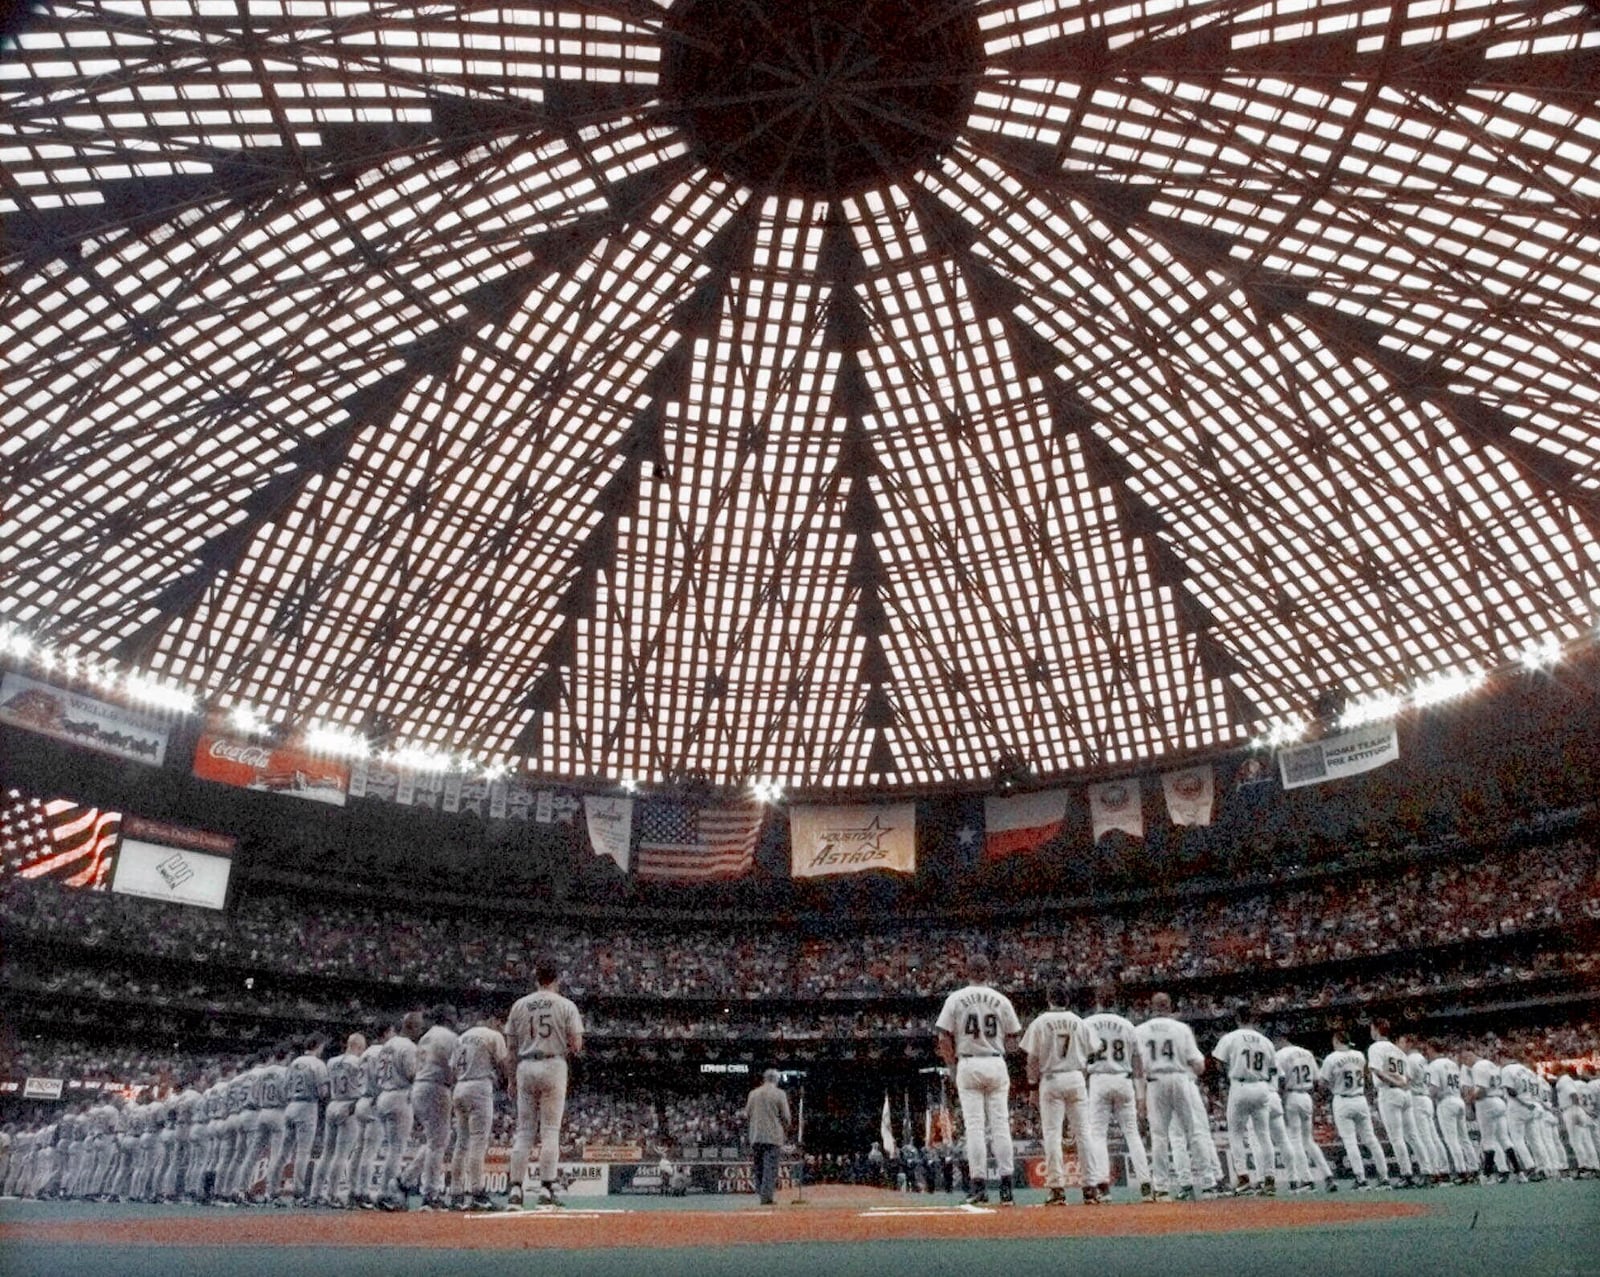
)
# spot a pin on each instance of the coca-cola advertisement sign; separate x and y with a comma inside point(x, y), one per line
point(279, 769)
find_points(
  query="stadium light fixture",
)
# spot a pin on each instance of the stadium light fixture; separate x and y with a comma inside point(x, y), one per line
point(147, 691)
point(1543, 655)
point(1286, 733)
point(1446, 687)
point(247, 719)
point(338, 742)
point(1377, 708)
point(629, 785)
point(767, 791)
point(420, 758)
point(15, 644)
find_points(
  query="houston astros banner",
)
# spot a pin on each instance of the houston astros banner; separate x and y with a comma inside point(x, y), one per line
point(825, 841)
point(1117, 804)
point(1189, 795)
point(277, 768)
point(1335, 757)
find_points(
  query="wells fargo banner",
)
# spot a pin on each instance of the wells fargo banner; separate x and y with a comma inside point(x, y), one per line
point(1335, 757)
point(82, 720)
point(279, 769)
point(825, 841)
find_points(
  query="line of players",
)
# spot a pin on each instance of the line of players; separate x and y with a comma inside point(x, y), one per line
point(204, 1142)
point(1095, 1070)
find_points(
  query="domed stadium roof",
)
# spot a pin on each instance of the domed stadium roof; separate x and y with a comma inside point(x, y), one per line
point(839, 391)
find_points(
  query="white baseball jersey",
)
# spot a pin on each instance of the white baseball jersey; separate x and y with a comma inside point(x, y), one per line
point(1345, 1072)
point(1417, 1073)
point(433, 1056)
point(1520, 1082)
point(480, 1054)
point(1119, 1044)
point(1248, 1055)
point(1059, 1042)
point(543, 1026)
point(979, 1019)
point(1384, 1054)
point(1168, 1046)
point(1569, 1091)
point(1297, 1067)
point(1445, 1074)
point(1486, 1077)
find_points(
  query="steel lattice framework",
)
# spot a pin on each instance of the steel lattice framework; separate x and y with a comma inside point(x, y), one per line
point(528, 379)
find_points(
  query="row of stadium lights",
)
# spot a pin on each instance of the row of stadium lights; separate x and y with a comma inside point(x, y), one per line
point(342, 742)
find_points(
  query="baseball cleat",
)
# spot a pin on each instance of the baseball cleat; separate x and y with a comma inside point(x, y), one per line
point(1269, 1187)
point(1146, 1192)
point(1056, 1197)
point(977, 1197)
point(514, 1197)
point(1007, 1196)
point(1185, 1194)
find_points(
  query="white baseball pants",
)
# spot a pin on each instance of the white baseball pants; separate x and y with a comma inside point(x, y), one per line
point(1111, 1095)
point(1452, 1114)
point(541, 1096)
point(1432, 1150)
point(1247, 1122)
point(1491, 1114)
point(1063, 1102)
point(1399, 1124)
point(1353, 1120)
point(1298, 1137)
point(1172, 1106)
point(473, 1107)
point(1580, 1128)
point(1277, 1128)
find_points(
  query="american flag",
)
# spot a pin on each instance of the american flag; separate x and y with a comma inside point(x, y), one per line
point(686, 844)
point(58, 839)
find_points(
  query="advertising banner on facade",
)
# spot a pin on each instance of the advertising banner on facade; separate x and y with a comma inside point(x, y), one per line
point(165, 862)
point(1335, 757)
point(82, 720)
point(278, 769)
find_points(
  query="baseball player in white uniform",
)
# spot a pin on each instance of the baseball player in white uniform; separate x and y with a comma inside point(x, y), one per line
point(543, 1031)
point(1435, 1163)
point(1116, 1083)
point(1577, 1123)
point(347, 1084)
point(1172, 1065)
point(480, 1056)
point(1297, 1079)
point(1522, 1117)
point(1344, 1073)
point(1489, 1107)
point(430, 1101)
point(1387, 1064)
point(976, 1027)
point(1450, 1108)
point(1251, 1063)
point(305, 1087)
point(1058, 1045)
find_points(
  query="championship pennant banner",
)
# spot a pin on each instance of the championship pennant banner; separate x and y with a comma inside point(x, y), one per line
point(1335, 757)
point(826, 841)
point(277, 769)
point(1117, 804)
point(1190, 794)
point(81, 720)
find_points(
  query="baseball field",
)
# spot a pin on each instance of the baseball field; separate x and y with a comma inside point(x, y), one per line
point(1496, 1230)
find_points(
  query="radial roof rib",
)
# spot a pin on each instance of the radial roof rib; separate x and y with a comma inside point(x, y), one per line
point(1141, 525)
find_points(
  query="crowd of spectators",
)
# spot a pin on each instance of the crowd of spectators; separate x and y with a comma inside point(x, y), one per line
point(1140, 943)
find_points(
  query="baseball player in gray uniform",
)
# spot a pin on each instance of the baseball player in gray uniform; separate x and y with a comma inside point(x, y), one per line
point(481, 1055)
point(306, 1086)
point(271, 1095)
point(243, 1091)
point(347, 1084)
point(543, 1031)
point(368, 1131)
point(430, 1102)
point(1058, 1046)
point(397, 1070)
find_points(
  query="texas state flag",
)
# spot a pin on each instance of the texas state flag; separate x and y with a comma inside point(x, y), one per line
point(1021, 822)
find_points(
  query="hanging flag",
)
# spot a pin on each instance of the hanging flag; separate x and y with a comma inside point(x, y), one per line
point(1117, 804)
point(58, 840)
point(610, 822)
point(825, 841)
point(886, 1130)
point(1021, 823)
point(1189, 795)
point(683, 843)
